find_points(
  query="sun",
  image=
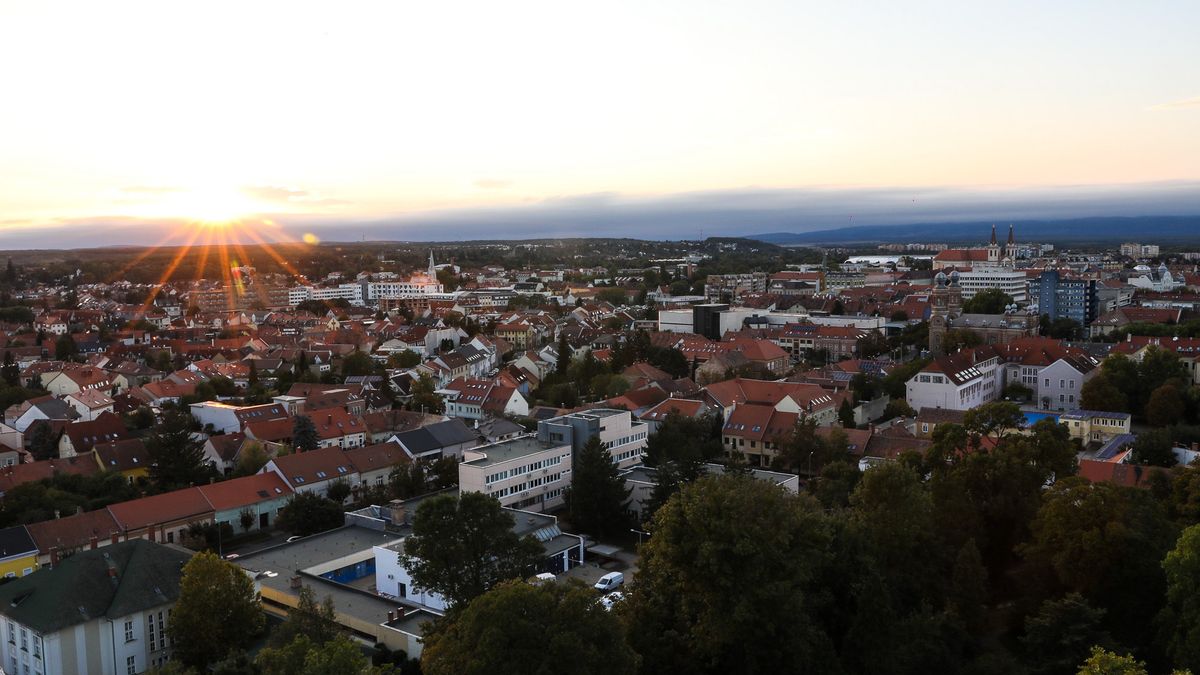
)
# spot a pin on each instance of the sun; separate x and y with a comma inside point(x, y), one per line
point(209, 206)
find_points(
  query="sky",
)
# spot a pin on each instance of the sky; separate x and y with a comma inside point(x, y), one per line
point(402, 120)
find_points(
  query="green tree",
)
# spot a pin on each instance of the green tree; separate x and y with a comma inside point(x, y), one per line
point(1103, 662)
point(251, 458)
point(43, 442)
point(1062, 633)
point(10, 373)
point(1154, 448)
point(969, 587)
point(518, 628)
point(304, 433)
point(1179, 623)
point(564, 354)
point(597, 498)
point(898, 407)
point(252, 378)
point(425, 397)
point(314, 620)
point(1165, 406)
point(724, 583)
point(989, 301)
point(308, 513)
point(960, 338)
point(1106, 543)
point(461, 547)
point(1100, 393)
point(357, 363)
point(338, 491)
point(217, 611)
point(836, 484)
point(301, 656)
point(176, 456)
point(404, 359)
point(65, 348)
point(846, 414)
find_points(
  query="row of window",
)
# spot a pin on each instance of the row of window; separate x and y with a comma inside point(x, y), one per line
point(522, 470)
point(531, 483)
point(625, 439)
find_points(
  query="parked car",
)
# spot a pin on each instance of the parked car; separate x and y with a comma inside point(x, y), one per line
point(610, 582)
point(611, 599)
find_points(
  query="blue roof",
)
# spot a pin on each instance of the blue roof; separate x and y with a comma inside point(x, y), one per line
point(1116, 445)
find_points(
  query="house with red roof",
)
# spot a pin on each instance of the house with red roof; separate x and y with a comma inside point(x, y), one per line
point(314, 471)
point(78, 438)
point(809, 400)
point(164, 517)
point(247, 503)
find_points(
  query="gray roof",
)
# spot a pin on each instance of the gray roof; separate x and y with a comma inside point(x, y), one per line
point(436, 436)
point(16, 541)
point(111, 582)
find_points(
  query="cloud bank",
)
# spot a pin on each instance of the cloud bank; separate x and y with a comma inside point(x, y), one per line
point(735, 212)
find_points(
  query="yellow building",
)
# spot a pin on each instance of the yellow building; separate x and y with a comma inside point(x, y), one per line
point(128, 457)
point(1090, 426)
point(18, 553)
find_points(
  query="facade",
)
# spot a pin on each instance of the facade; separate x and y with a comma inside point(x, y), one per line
point(961, 381)
point(624, 437)
point(102, 612)
point(18, 552)
point(523, 473)
point(1012, 282)
point(729, 287)
point(1062, 298)
point(1091, 426)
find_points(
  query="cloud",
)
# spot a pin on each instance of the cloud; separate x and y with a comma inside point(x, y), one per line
point(276, 193)
point(736, 212)
point(1193, 102)
point(493, 183)
point(150, 189)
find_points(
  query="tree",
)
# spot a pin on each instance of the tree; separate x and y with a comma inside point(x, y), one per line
point(357, 363)
point(1103, 662)
point(304, 433)
point(301, 656)
point(519, 628)
point(724, 581)
point(564, 354)
point(461, 547)
point(10, 372)
point(1179, 623)
point(1154, 448)
point(1100, 393)
point(969, 587)
point(217, 611)
point(252, 378)
point(1106, 543)
point(898, 407)
point(836, 484)
point(65, 348)
point(405, 358)
point(994, 420)
point(43, 442)
point(314, 620)
point(308, 513)
point(176, 457)
point(960, 338)
point(1165, 406)
point(597, 498)
point(338, 491)
point(251, 458)
point(425, 397)
point(846, 414)
point(1062, 633)
point(873, 344)
point(988, 301)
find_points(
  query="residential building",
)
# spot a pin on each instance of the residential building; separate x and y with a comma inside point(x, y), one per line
point(314, 471)
point(807, 400)
point(730, 287)
point(1065, 298)
point(258, 498)
point(18, 552)
point(523, 473)
point(960, 381)
point(624, 437)
point(1013, 283)
point(102, 612)
point(1095, 427)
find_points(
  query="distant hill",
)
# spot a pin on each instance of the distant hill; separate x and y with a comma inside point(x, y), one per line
point(1150, 229)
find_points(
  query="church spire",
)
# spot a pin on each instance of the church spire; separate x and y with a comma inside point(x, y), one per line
point(432, 269)
point(1011, 240)
point(993, 234)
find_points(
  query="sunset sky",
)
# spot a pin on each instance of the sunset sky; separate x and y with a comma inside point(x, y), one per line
point(333, 115)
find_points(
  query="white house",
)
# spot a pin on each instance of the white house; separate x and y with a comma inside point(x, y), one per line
point(101, 611)
point(960, 381)
point(523, 473)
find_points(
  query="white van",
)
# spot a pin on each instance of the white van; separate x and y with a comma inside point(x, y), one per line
point(610, 581)
point(543, 578)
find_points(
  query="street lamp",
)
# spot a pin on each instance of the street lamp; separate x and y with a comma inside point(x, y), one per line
point(810, 456)
point(639, 534)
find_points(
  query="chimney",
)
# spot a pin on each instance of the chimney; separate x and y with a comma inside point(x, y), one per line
point(294, 582)
point(57, 514)
point(93, 542)
point(391, 616)
point(116, 537)
point(53, 556)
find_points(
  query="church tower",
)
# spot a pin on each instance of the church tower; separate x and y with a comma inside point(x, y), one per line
point(1010, 248)
point(993, 249)
point(432, 269)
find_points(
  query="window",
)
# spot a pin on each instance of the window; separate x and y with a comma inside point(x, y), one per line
point(24, 640)
point(131, 665)
point(129, 631)
point(12, 634)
